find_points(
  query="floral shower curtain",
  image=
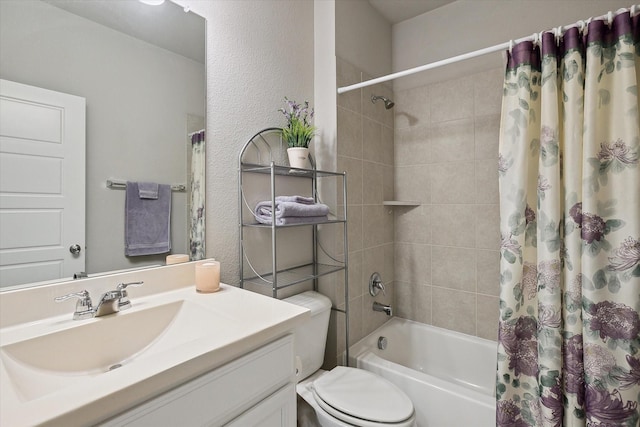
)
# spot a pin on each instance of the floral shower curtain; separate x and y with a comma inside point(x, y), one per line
point(196, 229)
point(569, 342)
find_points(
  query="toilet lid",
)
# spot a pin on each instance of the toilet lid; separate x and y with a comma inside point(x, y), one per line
point(364, 395)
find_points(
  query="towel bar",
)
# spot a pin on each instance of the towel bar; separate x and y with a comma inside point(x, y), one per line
point(115, 184)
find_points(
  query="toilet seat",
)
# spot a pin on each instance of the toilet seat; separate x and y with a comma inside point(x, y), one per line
point(361, 398)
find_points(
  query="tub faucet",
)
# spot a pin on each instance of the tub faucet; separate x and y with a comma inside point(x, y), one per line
point(386, 308)
point(110, 302)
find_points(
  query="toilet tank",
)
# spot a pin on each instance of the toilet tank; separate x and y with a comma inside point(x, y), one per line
point(310, 338)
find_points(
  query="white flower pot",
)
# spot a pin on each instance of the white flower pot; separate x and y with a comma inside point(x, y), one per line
point(299, 157)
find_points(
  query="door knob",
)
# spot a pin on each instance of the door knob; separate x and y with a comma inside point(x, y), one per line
point(75, 249)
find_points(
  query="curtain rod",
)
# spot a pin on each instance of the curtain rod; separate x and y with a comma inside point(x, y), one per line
point(497, 48)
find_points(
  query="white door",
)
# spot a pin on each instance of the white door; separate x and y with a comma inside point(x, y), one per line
point(42, 184)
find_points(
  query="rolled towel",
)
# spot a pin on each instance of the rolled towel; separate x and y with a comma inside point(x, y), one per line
point(289, 220)
point(290, 209)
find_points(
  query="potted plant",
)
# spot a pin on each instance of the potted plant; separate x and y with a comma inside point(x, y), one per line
point(298, 132)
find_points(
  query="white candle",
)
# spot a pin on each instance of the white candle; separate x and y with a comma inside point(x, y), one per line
point(177, 259)
point(208, 277)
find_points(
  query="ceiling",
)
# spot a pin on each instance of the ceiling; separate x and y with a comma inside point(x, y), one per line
point(166, 26)
point(400, 10)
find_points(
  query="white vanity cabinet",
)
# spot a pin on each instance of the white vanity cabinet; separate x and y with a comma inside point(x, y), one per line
point(256, 389)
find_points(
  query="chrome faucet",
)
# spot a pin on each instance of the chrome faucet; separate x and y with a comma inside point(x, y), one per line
point(386, 308)
point(110, 302)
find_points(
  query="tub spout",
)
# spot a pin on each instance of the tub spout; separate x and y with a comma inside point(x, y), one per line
point(386, 308)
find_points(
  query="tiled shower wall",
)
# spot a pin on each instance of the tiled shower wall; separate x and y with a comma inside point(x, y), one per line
point(438, 147)
point(366, 152)
point(446, 248)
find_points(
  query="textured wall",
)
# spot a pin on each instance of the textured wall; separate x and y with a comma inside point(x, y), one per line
point(258, 51)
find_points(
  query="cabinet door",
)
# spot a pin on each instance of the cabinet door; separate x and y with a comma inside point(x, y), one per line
point(219, 396)
point(278, 410)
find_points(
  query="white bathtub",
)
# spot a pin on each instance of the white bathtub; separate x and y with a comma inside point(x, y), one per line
point(449, 376)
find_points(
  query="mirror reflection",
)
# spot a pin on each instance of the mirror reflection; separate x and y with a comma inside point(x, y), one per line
point(140, 70)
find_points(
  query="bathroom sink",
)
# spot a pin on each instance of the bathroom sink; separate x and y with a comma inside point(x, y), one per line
point(46, 363)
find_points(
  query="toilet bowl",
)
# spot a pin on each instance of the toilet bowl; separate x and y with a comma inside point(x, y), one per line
point(342, 396)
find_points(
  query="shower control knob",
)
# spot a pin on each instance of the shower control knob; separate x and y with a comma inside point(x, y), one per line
point(75, 249)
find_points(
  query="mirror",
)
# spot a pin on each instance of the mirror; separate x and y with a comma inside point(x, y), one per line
point(141, 70)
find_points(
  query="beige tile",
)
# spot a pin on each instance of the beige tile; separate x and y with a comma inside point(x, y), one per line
point(403, 296)
point(487, 181)
point(488, 92)
point(356, 276)
point(355, 320)
point(354, 228)
point(349, 133)
point(387, 182)
point(389, 261)
point(372, 140)
point(412, 183)
point(487, 135)
point(388, 154)
point(453, 268)
point(412, 224)
point(488, 227)
point(452, 183)
point(372, 183)
point(412, 108)
point(455, 310)
point(452, 141)
point(488, 308)
point(453, 225)
point(388, 226)
point(452, 99)
point(373, 225)
point(353, 168)
point(412, 146)
point(347, 74)
point(373, 261)
point(413, 302)
point(413, 263)
point(488, 272)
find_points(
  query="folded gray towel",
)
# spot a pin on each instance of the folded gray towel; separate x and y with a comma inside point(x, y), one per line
point(289, 220)
point(290, 209)
point(297, 199)
point(147, 222)
point(148, 190)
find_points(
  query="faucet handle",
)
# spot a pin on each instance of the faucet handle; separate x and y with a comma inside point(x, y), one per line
point(376, 285)
point(123, 286)
point(84, 307)
point(124, 302)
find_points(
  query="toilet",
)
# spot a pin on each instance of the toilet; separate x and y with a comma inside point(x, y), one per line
point(342, 396)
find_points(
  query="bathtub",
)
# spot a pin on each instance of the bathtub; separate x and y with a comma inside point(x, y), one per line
point(449, 376)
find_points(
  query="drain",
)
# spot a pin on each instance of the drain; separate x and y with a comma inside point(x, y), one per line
point(116, 366)
point(382, 343)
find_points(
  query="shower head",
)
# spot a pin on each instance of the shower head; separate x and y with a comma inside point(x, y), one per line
point(388, 104)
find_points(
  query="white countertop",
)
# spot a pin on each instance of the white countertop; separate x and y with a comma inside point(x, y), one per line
point(245, 321)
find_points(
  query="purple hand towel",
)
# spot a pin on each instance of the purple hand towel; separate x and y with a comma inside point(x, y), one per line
point(147, 222)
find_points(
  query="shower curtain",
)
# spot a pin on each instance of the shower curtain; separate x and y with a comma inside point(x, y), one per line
point(569, 343)
point(196, 229)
